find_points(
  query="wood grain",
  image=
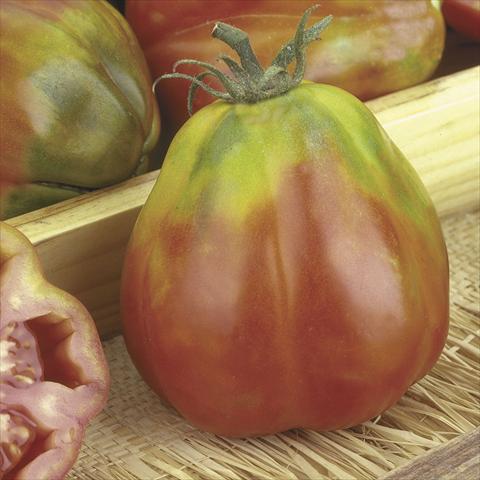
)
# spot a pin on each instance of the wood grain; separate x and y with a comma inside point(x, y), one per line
point(459, 459)
point(81, 244)
point(81, 241)
point(437, 126)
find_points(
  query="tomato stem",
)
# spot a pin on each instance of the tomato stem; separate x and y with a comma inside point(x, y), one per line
point(249, 82)
point(238, 40)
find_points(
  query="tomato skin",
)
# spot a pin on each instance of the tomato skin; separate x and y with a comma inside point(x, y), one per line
point(77, 110)
point(53, 377)
point(287, 270)
point(371, 48)
point(463, 16)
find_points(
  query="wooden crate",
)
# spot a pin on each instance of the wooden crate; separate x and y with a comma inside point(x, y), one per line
point(81, 242)
point(436, 125)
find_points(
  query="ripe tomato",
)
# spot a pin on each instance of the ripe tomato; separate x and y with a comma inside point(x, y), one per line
point(76, 105)
point(463, 16)
point(53, 375)
point(288, 268)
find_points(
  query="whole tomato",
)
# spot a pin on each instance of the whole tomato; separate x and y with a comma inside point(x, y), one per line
point(53, 375)
point(288, 268)
point(463, 16)
point(372, 47)
point(76, 106)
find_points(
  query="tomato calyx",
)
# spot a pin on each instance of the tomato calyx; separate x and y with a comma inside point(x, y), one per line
point(249, 82)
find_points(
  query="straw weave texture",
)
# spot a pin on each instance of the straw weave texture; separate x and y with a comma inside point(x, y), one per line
point(137, 437)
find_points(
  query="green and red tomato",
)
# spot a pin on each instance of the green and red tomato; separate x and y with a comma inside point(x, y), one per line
point(288, 268)
point(77, 110)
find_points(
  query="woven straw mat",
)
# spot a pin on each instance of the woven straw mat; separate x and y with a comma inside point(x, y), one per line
point(137, 437)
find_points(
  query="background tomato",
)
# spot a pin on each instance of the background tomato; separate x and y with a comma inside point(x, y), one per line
point(463, 16)
point(53, 374)
point(371, 48)
point(76, 107)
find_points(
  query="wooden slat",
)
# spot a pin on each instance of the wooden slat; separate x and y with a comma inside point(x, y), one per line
point(437, 126)
point(81, 241)
point(459, 459)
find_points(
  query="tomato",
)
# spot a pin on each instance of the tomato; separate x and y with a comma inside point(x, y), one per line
point(288, 268)
point(76, 107)
point(53, 375)
point(463, 16)
point(373, 47)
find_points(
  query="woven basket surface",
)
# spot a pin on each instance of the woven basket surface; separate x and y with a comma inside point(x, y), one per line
point(137, 437)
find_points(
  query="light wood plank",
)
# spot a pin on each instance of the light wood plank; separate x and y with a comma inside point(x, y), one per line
point(437, 126)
